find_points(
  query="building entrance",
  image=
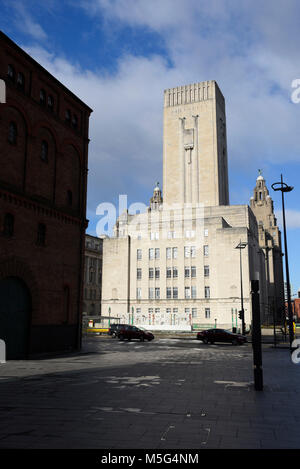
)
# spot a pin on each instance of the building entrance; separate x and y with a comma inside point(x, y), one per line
point(15, 308)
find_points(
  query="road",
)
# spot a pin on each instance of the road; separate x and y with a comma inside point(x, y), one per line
point(169, 393)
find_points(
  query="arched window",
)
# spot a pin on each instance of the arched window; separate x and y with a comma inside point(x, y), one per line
point(50, 102)
point(21, 81)
point(11, 72)
point(42, 97)
point(44, 151)
point(12, 133)
point(8, 225)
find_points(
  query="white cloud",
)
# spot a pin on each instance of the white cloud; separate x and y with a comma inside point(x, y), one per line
point(244, 46)
point(25, 22)
point(292, 218)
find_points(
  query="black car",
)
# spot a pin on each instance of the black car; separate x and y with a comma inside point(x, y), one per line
point(133, 332)
point(221, 335)
point(114, 328)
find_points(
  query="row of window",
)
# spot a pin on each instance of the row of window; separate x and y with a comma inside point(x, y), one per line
point(171, 272)
point(172, 253)
point(154, 235)
point(9, 228)
point(13, 140)
point(16, 77)
point(45, 99)
point(174, 311)
point(189, 292)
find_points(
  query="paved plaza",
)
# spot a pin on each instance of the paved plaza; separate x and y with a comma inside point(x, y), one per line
point(169, 393)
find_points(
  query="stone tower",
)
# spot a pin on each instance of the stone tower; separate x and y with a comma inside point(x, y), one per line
point(195, 169)
point(270, 242)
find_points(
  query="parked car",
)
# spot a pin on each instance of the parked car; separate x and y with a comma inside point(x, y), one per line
point(220, 335)
point(133, 332)
point(114, 328)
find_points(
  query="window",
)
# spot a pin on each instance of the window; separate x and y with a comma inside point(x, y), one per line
point(169, 253)
point(187, 292)
point(151, 293)
point(168, 310)
point(175, 293)
point(207, 292)
point(186, 272)
point(193, 271)
point(151, 272)
point(171, 234)
point(68, 116)
point(205, 250)
point(194, 292)
point(11, 72)
point(186, 311)
point(169, 272)
point(50, 102)
point(157, 253)
point(205, 232)
point(42, 97)
point(139, 254)
point(74, 121)
point(138, 273)
point(44, 151)
point(193, 251)
point(157, 293)
point(207, 313)
point(21, 81)
point(157, 272)
point(138, 293)
point(175, 272)
point(174, 252)
point(194, 312)
point(12, 133)
point(190, 234)
point(186, 251)
point(154, 235)
point(41, 234)
point(151, 253)
point(8, 225)
point(169, 293)
point(206, 271)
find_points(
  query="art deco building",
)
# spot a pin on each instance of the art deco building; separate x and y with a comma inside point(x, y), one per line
point(177, 266)
point(43, 182)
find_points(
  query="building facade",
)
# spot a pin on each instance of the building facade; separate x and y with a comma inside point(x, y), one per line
point(178, 266)
point(43, 181)
point(92, 276)
point(270, 242)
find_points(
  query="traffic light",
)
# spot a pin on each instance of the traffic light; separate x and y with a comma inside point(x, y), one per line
point(241, 314)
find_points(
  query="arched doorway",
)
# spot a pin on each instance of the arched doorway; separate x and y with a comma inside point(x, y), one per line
point(15, 308)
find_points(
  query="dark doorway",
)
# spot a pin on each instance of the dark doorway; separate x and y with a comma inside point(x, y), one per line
point(15, 308)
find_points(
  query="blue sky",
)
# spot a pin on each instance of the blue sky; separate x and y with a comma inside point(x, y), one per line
point(119, 55)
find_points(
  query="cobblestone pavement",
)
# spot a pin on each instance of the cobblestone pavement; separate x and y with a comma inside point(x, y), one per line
point(169, 393)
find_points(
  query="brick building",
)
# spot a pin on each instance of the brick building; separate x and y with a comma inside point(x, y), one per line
point(43, 182)
point(92, 276)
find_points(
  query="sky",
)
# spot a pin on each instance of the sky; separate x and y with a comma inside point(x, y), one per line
point(118, 56)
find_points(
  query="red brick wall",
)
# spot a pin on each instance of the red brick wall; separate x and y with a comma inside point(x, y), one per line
point(36, 190)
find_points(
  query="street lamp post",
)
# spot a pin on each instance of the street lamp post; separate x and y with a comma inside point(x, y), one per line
point(241, 246)
point(283, 187)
